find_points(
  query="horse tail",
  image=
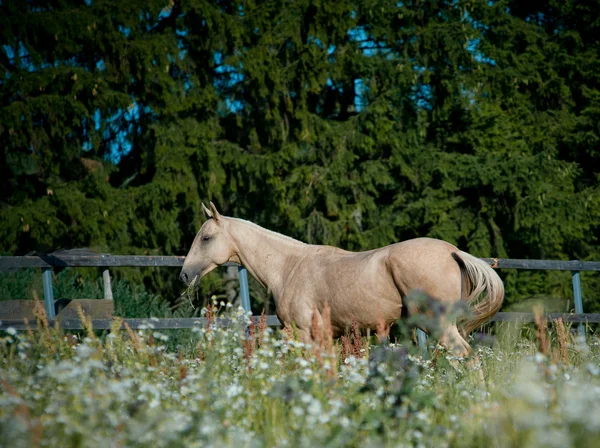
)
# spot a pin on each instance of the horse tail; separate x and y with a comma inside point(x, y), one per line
point(478, 278)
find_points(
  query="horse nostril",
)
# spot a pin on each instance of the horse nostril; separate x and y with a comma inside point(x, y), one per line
point(184, 277)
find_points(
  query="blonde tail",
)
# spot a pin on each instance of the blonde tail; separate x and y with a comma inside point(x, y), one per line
point(478, 278)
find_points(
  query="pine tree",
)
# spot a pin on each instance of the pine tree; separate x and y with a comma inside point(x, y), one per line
point(355, 124)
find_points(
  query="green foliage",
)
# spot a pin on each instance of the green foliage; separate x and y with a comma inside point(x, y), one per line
point(21, 285)
point(131, 300)
point(356, 124)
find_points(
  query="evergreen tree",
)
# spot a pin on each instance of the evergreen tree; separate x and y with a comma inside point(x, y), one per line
point(349, 123)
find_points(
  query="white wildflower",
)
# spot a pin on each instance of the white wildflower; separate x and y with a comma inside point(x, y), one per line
point(234, 390)
point(594, 369)
point(315, 407)
point(84, 351)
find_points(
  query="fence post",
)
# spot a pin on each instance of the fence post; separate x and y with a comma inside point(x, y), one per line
point(108, 295)
point(48, 292)
point(244, 290)
point(578, 299)
point(422, 339)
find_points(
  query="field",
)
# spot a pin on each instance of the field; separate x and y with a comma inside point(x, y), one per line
point(241, 386)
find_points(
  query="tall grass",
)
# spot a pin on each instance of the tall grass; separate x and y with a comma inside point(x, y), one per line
point(247, 385)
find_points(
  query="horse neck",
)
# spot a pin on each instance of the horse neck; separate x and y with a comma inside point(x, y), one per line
point(268, 256)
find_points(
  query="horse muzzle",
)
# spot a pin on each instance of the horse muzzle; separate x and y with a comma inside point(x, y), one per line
point(188, 275)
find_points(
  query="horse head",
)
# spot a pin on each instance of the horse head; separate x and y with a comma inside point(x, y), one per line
point(211, 248)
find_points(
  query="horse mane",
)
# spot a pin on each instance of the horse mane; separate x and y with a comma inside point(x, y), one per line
point(277, 235)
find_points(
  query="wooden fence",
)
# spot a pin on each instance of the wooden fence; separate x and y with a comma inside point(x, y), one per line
point(48, 262)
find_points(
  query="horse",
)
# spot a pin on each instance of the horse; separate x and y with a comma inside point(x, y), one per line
point(365, 288)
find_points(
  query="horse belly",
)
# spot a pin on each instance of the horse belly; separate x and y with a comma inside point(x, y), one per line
point(366, 297)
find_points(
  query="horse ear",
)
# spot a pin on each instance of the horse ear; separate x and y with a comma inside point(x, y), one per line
point(207, 212)
point(215, 214)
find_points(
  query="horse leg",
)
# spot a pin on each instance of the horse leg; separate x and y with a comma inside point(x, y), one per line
point(304, 335)
point(293, 330)
point(454, 342)
point(445, 285)
point(307, 321)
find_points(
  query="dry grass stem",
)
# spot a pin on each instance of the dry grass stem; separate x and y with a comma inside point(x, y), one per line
point(86, 322)
point(262, 327)
point(563, 340)
point(541, 333)
point(210, 318)
point(383, 331)
point(182, 367)
point(357, 342)
point(249, 343)
point(133, 337)
point(346, 346)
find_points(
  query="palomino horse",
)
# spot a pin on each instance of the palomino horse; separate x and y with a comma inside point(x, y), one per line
point(366, 287)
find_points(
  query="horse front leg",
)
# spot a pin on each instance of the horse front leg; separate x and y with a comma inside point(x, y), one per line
point(291, 331)
point(306, 319)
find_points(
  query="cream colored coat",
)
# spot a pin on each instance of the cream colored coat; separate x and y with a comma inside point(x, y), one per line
point(365, 287)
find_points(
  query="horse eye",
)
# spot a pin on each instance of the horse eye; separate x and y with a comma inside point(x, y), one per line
point(206, 238)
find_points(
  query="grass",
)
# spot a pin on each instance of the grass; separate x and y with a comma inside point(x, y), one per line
point(247, 385)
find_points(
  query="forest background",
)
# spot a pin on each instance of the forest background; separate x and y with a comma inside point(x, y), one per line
point(350, 123)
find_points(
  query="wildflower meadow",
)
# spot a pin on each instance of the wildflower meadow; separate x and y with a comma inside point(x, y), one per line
point(247, 385)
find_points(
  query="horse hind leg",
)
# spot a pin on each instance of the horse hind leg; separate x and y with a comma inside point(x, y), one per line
point(454, 342)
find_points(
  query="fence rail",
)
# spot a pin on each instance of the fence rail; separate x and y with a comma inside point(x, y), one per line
point(106, 260)
point(48, 262)
point(100, 260)
point(272, 321)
